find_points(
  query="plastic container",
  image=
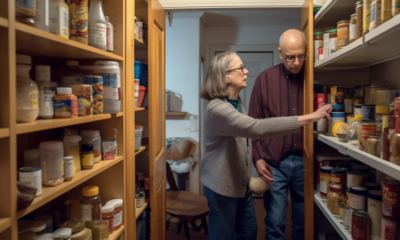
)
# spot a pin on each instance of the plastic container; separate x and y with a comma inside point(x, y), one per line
point(47, 91)
point(142, 95)
point(97, 25)
point(112, 106)
point(71, 75)
point(31, 176)
point(142, 73)
point(27, 91)
point(39, 228)
point(58, 16)
point(72, 148)
point(87, 156)
point(65, 103)
point(78, 10)
point(63, 233)
point(42, 15)
point(69, 168)
point(335, 118)
point(343, 33)
point(93, 137)
point(32, 158)
point(90, 204)
point(118, 212)
point(325, 179)
point(52, 159)
point(48, 219)
point(107, 213)
point(109, 36)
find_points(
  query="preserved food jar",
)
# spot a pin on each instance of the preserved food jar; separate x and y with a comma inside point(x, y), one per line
point(87, 156)
point(375, 14)
point(25, 12)
point(52, 160)
point(352, 28)
point(27, 91)
point(107, 212)
point(118, 212)
point(365, 130)
point(93, 137)
point(335, 197)
point(359, 18)
point(366, 16)
point(325, 179)
point(333, 44)
point(90, 204)
point(343, 33)
point(386, 10)
point(318, 42)
point(31, 176)
point(375, 211)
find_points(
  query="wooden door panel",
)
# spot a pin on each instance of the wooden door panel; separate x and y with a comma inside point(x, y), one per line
point(160, 215)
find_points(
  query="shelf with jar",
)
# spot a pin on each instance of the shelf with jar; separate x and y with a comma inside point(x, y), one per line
point(3, 22)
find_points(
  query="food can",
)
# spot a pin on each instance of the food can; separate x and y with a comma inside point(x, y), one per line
point(338, 176)
point(97, 89)
point(320, 100)
point(343, 33)
point(375, 211)
point(325, 177)
point(346, 213)
point(360, 225)
point(358, 197)
point(390, 229)
point(357, 109)
point(391, 199)
point(348, 105)
point(31, 176)
point(368, 113)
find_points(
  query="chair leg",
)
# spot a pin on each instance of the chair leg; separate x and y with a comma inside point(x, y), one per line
point(178, 228)
point(195, 227)
point(204, 224)
point(186, 226)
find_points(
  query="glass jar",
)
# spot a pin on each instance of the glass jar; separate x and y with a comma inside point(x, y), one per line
point(343, 33)
point(318, 43)
point(326, 43)
point(25, 12)
point(72, 75)
point(366, 16)
point(47, 91)
point(93, 137)
point(39, 228)
point(386, 10)
point(359, 19)
point(335, 196)
point(351, 134)
point(118, 212)
point(71, 148)
point(105, 232)
point(27, 91)
point(96, 227)
point(375, 14)
point(87, 156)
point(395, 7)
point(332, 41)
point(107, 212)
point(52, 161)
point(352, 28)
point(90, 204)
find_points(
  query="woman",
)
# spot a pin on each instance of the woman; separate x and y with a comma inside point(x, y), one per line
point(226, 166)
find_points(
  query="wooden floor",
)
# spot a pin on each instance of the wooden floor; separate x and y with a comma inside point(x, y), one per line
point(260, 212)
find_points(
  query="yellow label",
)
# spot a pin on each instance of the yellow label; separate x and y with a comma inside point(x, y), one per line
point(33, 96)
point(366, 14)
point(325, 177)
point(87, 160)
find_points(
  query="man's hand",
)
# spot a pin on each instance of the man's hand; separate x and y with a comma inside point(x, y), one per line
point(264, 171)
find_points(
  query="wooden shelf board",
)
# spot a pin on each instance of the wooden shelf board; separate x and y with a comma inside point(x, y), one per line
point(116, 233)
point(3, 22)
point(367, 51)
point(141, 149)
point(4, 224)
point(50, 193)
point(175, 113)
point(336, 222)
point(45, 124)
point(334, 11)
point(120, 114)
point(139, 44)
point(33, 41)
point(4, 132)
point(141, 109)
point(140, 210)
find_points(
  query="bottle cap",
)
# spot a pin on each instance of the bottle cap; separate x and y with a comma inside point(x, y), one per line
point(107, 208)
point(90, 191)
point(64, 90)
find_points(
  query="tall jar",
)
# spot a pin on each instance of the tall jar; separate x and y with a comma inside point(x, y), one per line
point(366, 16)
point(52, 159)
point(352, 28)
point(375, 14)
point(343, 33)
point(335, 196)
point(359, 19)
point(47, 91)
point(93, 137)
point(386, 10)
point(326, 43)
point(27, 91)
point(71, 148)
point(333, 43)
point(90, 204)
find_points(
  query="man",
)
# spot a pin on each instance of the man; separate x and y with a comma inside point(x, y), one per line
point(278, 92)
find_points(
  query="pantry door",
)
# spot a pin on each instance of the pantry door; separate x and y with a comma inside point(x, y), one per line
point(157, 150)
point(307, 23)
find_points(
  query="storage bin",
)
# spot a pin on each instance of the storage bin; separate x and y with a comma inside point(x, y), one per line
point(142, 73)
point(52, 162)
point(142, 95)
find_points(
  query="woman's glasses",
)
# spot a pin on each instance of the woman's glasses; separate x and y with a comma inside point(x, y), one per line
point(241, 69)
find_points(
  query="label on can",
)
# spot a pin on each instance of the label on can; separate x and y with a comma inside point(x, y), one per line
point(368, 130)
point(320, 100)
point(391, 201)
point(357, 201)
point(390, 229)
point(359, 231)
point(97, 88)
point(87, 160)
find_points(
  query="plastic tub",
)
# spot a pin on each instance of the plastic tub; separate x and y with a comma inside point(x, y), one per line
point(71, 148)
point(142, 95)
point(52, 157)
point(32, 158)
point(142, 73)
point(111, 106)
point(48, 219)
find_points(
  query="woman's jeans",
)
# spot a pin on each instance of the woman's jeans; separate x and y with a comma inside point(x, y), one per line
point(231, 218)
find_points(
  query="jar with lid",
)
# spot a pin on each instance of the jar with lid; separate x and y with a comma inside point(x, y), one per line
point(32, 158)
point(386, 10)
point(366, 16)
point(87, 156)
point(48, 219)
point(365, 130)
point(325, 179)
point(333, 43)
point(69, 168)
point(93, 137)
point(343, 33)
point(96, 226)
point(352, 28)
point(338, 176)
point(118, 212)
point(373, 146)
point(318, 42)
point(72, 75)
point(360, 225)
point(335, 196)
point(63, 233)
point(71, 148)
point(27, 91)
point(375, 14)
point(25, 12)
point(358, 198)
point(395, 7)
point(380, 111)
point(31, 176)
point(107, 212)
point(47, 91)
point(375, 211)
point(362, 168)
point(52, 160)
point(359, 19)
point(335, 118)
point(90, 204)
point(39, 228)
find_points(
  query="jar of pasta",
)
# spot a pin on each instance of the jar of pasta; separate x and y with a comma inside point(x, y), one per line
point(366, 16)
point(343, 33)
point(359, 19)
point(395, 7)
point(386, 10)
point(375, 14)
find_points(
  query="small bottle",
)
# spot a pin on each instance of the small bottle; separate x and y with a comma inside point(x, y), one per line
point(69, 168)
point(65, 103)
point(110, 36)
point(97, 25)
point(47, 91)
point(58, 16)
point(72, 75)
point(87, 156)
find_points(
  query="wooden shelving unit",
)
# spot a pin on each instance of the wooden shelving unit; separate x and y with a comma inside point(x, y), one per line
point(3, 22)
point(115, 235)
point(141, 109)
point(141, 149)
point(4, 224)
point(4, 132)
point(175, 113)
point(140, 210)
point(139, 44)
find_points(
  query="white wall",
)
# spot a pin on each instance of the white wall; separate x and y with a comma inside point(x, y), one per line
point(388, 72)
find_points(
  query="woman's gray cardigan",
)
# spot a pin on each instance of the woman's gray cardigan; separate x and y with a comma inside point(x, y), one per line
point(226, 165)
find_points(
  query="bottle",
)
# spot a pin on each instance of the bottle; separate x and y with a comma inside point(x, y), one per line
point(69, 168)
point(90, 204)
point(47, 91)
point(87, 159)
point(25, 12)
point(97, 25)
point(110, 36)
point(42, 15)
point(27, 91)
point(78, 20)
point(72, 75)
point(65, 103)
point(58, 16)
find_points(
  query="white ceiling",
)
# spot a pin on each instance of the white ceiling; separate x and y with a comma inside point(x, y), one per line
point(224, 4)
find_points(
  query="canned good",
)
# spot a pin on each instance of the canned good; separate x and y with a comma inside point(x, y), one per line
point(343, 33)
point(97, 89)
point(375, 211)
point(348, 196)
point(320, 100)
point(360, 225)
point(368, 113)
point(362, 168)
point(390, 229)
point(391, 199)
point(322, 125)
point(338, 176)
point(31, 176)
point(325, 175)
point(358, 197)
point(346, 213)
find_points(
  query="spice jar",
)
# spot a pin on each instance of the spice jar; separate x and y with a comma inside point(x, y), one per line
point(52, 157)
point(325, 179)
point(318, 42)
point(107, 213)
point(39, 228)
point(386, 10)
point(343, 33)
point(27, 91)
point(118, 204)
point(90, 204)
point(93, 137)
point(71, 148)
point(360, 225)
point(333, 43)
point(63, 233)
point(69, 168)
point(352, 28)
point(335, 196)
point(366, 16)
point(359, 19)
point(65, 103)
point(338, 176)
point(87, 156)
point(375, 211)
point(47, 91)
point(373, 146)
point(375, 14)
point(395, 7)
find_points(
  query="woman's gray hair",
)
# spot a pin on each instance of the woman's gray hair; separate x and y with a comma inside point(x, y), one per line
point(215, 85)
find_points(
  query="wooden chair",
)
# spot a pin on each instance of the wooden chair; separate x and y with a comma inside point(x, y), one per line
point(185, 207)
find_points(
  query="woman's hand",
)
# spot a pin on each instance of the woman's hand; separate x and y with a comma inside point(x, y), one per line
point(316, 116)
point(264, 171)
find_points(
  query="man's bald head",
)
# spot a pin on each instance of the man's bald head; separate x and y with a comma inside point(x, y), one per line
point(292, 50)
point(292, 36)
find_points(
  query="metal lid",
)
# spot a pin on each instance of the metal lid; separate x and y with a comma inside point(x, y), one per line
point(332, 31)
point(361, 213)
point(318, 33)
point(359, 191)
point(375, 194)
point(326, 169)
